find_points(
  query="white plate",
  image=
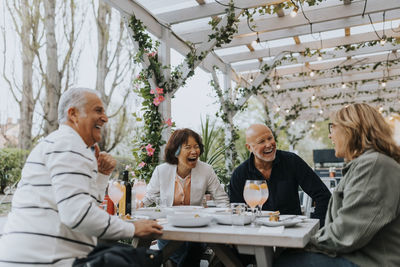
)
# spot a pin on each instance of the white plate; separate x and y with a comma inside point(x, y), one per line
point(180, 208)
point(265, 213)
point(211, 203)
point(188, 220)
point(183, 209)
point(286, 223)
point(215, 210)
point(228, 219)
point(152, 213)
point(136, 218)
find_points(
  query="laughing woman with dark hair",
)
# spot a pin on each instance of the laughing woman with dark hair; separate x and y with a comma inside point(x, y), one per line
point(184, 179)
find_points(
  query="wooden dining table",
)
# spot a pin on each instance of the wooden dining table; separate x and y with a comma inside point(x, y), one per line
point(252, 240)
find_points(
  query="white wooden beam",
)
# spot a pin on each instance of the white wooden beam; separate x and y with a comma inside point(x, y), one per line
point(321, 65)
point(314, 45)
point(345, 74)
point(305, 29)
point(340, 16)
point(338, 79)
point(205, 49)
point(326, 92)
point(129, 7)
point(209, 10)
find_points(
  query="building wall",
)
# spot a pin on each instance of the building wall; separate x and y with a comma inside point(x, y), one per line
point(9, 134)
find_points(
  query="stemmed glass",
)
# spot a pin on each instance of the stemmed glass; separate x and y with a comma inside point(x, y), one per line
point(140, 190)
point(252, 195)
point(264, 194)
point(115, 192)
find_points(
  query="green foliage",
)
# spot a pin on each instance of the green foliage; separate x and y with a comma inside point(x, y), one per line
point(213, 150)
point(224, 33)
point(321, 132)
point(122, 162)
point(11, 163)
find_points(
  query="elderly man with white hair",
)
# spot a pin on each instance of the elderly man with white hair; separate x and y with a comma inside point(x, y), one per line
point(55, 215)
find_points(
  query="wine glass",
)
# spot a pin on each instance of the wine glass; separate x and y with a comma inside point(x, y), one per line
point(115, 192)
point(252, 195)
point(264, 193)
point(140, 190)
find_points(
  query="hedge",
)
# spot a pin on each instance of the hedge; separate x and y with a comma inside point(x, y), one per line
point(11, 162)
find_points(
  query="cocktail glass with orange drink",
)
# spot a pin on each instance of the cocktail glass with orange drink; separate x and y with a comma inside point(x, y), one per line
point(252, 195)
point(140, 190)
point(115, 192)
point(264, 193)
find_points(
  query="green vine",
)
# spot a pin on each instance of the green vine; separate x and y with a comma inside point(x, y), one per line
point(224, 33)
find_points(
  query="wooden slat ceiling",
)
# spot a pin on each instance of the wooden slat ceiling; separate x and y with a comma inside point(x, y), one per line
point(334, 23)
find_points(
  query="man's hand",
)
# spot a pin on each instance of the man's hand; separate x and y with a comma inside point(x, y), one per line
point(146, 228)
point(105, 162)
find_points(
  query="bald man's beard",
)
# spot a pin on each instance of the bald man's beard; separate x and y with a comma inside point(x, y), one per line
point(266, 157)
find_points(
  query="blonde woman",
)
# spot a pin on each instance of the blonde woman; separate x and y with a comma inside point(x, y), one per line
point(362, 225)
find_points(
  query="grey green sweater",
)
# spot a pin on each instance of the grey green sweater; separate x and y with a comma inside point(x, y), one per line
point(362, 223)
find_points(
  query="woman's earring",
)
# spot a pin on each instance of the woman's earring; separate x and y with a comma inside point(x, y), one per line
point(178, 151)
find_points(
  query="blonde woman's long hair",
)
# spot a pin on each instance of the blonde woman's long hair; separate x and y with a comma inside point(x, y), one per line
point(365, 128)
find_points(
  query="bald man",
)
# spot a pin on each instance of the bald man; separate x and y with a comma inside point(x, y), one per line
point(283, 172)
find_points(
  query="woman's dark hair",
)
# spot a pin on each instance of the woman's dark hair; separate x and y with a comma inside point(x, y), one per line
point(177, 139)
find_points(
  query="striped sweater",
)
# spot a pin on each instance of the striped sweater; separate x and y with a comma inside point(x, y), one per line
point(55, 216)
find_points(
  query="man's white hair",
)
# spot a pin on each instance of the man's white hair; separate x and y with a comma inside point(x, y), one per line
point(73, 97)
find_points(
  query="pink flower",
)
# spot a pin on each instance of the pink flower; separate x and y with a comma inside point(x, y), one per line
point(152, 91)
point(127, 167)
point(142, 164)
point(150, 150)
point(156, 101)
point(133, 173)
point(159, 90)
point(168, 122)
point(161, 98)
point(151, 54)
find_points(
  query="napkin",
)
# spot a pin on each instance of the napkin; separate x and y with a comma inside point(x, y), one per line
point(271, 230)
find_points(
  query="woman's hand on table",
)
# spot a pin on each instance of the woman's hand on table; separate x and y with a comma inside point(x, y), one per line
point(144, 228)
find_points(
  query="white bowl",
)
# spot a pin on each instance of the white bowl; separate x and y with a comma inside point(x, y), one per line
point(183, 209)
point(232, 220)
point(188, 220)
point(152, 213)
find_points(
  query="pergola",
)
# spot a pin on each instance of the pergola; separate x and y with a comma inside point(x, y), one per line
point(331, 53)
point(334, 24)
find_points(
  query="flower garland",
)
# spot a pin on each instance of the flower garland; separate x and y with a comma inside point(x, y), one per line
point(146, 151)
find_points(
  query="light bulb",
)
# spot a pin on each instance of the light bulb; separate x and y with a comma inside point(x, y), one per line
point(278, 86)
point(312, 73)
point(380, 109)
point(383, 83)
point(321, 111)
point(383, 40)
point(313, 125)
point(313, 97)
point(293, 13)
point(344, 85)
point(277, 109)
point(319, 58)
point(287, 110)
point(292, 122)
